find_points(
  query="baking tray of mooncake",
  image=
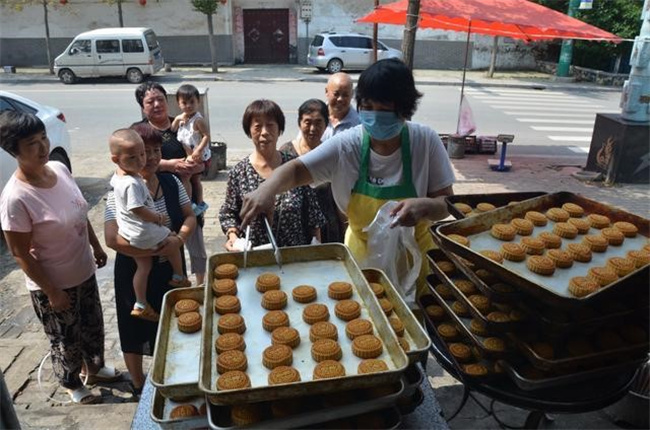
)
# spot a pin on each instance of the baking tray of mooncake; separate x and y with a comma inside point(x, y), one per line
point(561, 323)
point(175, 367)
point(529, 378)
point(317, 266)
point(553, 289)
point(556, 322)
point(495, 316)
point(488, 342)
point(473, 366)
point(304, 411)
point(487, 282)
point(194, 415)
point(496, 199)
point(606, 346)
point(415, 336)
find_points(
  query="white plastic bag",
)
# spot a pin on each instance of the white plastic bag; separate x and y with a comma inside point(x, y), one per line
point(393, 250)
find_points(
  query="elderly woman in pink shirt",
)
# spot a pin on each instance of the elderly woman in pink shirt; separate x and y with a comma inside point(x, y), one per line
point(44, 220)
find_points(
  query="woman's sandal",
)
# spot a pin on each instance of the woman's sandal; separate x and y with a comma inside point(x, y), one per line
point(83, 396)
point(105, 374)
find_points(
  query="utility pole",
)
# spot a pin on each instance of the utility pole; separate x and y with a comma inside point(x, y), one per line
point(411, 27)
point(374, 37)
point(566, 53)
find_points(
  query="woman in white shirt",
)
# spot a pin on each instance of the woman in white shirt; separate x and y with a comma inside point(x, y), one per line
point(385, 158)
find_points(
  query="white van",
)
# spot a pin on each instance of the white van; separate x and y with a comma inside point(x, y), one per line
point(130, 52)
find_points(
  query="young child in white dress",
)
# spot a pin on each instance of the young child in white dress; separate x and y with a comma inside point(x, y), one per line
point(192, 132)
point(137, 219)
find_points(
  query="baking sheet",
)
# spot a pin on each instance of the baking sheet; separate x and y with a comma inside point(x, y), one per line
point(553, 289)
point(257, 339)
point(413, 333)
point(507, 297)
point(432, 299)
point(559, 282)
point(317, 266)
point(551, 380)
point(497, 199)
point(175, 368)
point(161, 408)
point(463, 324)
point(562, 361)
point(315, 409)
point(436, 255)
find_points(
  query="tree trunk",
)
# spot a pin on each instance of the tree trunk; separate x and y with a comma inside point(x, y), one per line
point(408, 42)
point(119, 12)
point(50, 63)
point(493, 57)
point(213, 45)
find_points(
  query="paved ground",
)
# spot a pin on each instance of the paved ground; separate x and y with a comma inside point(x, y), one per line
point(23, 345)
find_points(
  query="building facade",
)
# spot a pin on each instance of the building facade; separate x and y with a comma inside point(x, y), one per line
point(246, 31)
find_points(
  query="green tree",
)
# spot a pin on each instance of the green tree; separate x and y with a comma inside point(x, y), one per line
point(621, 17)
point(209, 8)
point(18, 5)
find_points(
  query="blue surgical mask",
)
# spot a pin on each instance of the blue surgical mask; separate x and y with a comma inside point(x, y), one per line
point(381, 125)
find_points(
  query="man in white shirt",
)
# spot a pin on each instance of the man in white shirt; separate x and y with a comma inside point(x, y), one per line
point(342, 116)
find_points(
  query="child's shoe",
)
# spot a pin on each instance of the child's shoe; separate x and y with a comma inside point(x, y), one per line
point(147, 313)
point(180, 282)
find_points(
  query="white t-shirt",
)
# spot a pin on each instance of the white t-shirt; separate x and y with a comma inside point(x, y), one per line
point(57, 219)
point(192, 138)
point(131, 192)
point(338, 161)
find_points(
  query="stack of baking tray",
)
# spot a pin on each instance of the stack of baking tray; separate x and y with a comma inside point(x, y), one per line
point(476, 202)
point(185, 367)
point(547, 337)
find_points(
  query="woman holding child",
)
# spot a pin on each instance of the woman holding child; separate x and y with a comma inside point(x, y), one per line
point(152, 98)
point(137, 336)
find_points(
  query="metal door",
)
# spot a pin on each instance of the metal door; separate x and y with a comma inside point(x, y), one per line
point(266, 35)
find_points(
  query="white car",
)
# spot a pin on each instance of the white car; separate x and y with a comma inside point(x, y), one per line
point(337, 51)
point(55, 125)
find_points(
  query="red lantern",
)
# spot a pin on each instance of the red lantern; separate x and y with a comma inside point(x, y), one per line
point(142, 2)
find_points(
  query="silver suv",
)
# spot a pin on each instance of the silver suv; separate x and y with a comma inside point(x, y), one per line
point(337, 51)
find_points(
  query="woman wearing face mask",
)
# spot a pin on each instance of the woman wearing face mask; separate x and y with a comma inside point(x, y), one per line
point(385, 158)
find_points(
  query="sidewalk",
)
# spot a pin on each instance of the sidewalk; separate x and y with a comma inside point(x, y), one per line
point(289, 72)
point(23, 344)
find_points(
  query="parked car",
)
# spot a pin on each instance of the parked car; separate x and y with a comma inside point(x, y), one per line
point(55, 125)
point(337, 51)
point(130, 52)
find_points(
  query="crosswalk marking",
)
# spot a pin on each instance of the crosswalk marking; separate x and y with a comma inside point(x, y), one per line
point(571, 138)
point(545, 108)
point(535, 103)
point(569, 129)
point(579, 149)
point(564, 115)
point(522, 96)
point(556, 121)
point(560, 116)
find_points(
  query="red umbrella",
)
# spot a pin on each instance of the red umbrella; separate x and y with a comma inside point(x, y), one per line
point(519, 19)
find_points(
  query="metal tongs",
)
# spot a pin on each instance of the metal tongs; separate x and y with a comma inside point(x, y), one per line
point(276, 250)
point(246, 244)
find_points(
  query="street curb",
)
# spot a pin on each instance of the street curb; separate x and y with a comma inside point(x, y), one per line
point(40, 79)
